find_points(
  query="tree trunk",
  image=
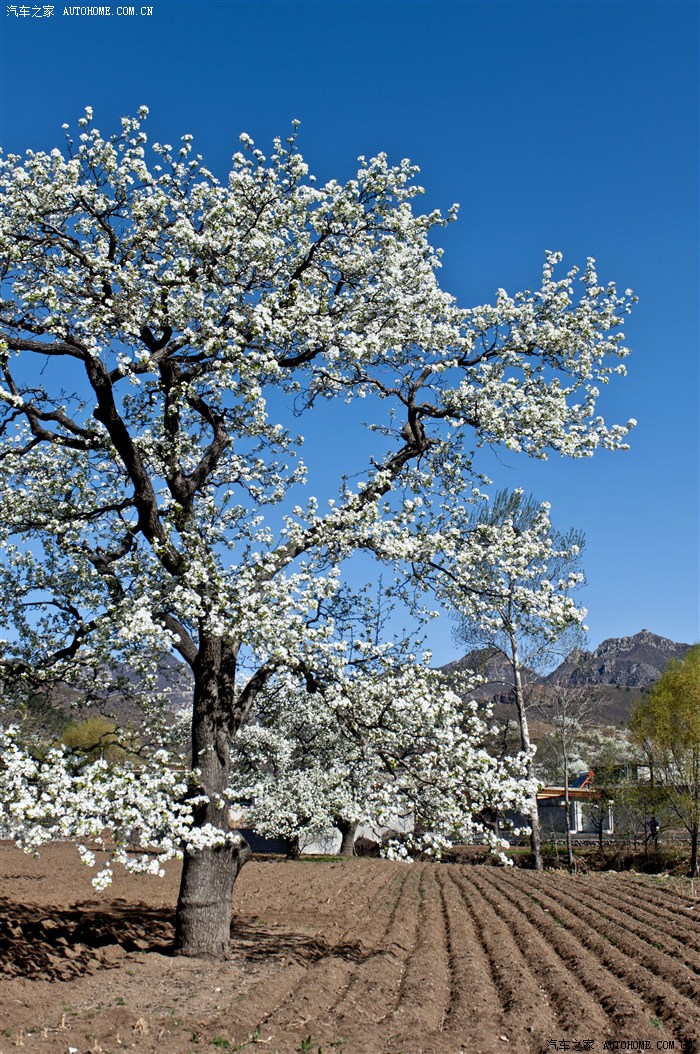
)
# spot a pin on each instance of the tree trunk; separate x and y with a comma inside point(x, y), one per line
point(293, 848)
point(567, 807)
point(694, 853)
point(203, 917)
point(348, 830)
point(534, 816)
point(535, 834)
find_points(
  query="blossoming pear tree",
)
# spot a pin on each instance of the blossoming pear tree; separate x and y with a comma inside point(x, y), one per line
point(389, 741)
point(508, 578)
point(159, 330)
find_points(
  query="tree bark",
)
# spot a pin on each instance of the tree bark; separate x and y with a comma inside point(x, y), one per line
point(535, 834)
point(567, 806)
point(203, 916)
point(348, 830)
point(694, 853)
point(534, 816)
point(293, 848)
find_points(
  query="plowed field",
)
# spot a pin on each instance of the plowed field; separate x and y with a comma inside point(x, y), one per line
point(359, 957)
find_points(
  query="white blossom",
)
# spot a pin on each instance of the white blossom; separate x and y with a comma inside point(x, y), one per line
point(159, 331)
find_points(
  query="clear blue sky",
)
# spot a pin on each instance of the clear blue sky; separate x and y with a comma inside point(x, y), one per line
point(558, 125)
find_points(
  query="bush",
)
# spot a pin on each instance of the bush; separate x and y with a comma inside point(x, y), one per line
point(97, 737)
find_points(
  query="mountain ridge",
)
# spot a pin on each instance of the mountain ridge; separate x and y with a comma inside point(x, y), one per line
point(636, 661)
point(617, 672)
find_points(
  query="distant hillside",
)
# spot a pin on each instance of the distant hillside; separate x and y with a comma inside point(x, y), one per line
point(497, 671)
point(618, 671)
point(625, 662)
point(117, 692)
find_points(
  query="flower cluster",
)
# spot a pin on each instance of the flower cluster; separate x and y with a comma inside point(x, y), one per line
point(137, 816)
point(384, 740)
point(151, 479)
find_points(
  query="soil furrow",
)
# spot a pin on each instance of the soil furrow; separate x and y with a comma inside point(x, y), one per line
point(364, 887)
point(425, 987)
point(664, 966)
point(622, 1005)
point(266, 995)
point(664, 1002)
point(577, 1013)
point(646, 888)
point(681, 901)
point(643, 925)
point(519, 993)
point(311, 995)
point(306, 887)
point(416, 937)
point(349, 955)
point(369, 901)
point(377, 913)
point(373, 988)
point(680, 921)
point(638, 893)
point(474, 999)
point(680, 897)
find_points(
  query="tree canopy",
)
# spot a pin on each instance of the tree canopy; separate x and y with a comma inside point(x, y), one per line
point(160, 333)
point(666, 726)
point(508, 580)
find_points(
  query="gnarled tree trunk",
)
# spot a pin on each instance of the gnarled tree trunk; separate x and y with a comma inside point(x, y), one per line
point(203, 916)
point(203, 919)
point(348, 830)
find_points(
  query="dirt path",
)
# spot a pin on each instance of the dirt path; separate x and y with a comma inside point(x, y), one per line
point(360, 957)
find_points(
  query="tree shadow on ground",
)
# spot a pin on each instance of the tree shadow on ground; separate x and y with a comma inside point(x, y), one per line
point(254, 942)
point(48, 942)
point(44, 942)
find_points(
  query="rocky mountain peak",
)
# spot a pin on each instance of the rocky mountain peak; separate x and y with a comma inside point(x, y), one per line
point(629, 662)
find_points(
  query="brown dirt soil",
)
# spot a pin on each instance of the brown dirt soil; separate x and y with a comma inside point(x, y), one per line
point(359, 957)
